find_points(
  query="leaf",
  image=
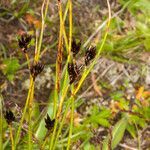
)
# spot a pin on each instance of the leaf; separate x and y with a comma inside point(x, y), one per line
point(89, 146)
point(100, 116)
point(140, 92)
point(10, 67)
point(131, 129)
point(33, 21)
point(103, 122)
point(117, 134)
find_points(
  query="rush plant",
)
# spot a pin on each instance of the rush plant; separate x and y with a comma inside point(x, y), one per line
point(68, 81)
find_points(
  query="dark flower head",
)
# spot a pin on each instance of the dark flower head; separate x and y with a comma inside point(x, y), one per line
point(90, 54)
point(75, 47)
point(9, 116)
point(49, 124)
point(24, 41)
point(73, 72)
point(36, 69)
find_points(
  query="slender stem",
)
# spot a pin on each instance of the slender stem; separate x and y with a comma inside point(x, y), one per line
point(86, 72)
point(59, 60)
point(61, 123)
point(53, 135)
point(71, 124)
point(70, 26)
point(30, 93)
point(11, 137)
point(28, 61)
point(1, 121)
point(72, 100)
point(62, 30)
point(29, 131)
point(44, 14)
point(36, 58)
point(30, 116)
point(24, 112)
point(65, 89)
point(45, 141)
point(61, 101)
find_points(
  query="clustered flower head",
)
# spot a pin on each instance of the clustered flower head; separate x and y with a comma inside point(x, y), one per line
point(90, 54)
point(24, 41)
point(36, 69)
point(9, 116)
point(75, 47)
point(49, 124)
point(73, 72)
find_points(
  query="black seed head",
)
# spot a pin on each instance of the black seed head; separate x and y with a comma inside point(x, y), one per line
point(75, 47)
point(49, 124)
point(24, 41)
point(9, 116)
point(36, 69)
point(73, 72)
point(90, 54)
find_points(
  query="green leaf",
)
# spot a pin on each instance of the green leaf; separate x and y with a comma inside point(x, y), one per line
point(10, 67)
point(146, 44)
point(104, 113)
point(89, 146)
point(117, 134)
point(131, 129)
point(100, 121)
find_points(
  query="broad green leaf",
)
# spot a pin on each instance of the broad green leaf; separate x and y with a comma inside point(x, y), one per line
point(117, 134)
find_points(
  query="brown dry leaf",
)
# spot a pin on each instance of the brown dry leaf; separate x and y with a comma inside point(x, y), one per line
point(142, 96)
point(31, 20)
point(146, 94)
point(37, 24)
point(115, 107)
point(139, 94)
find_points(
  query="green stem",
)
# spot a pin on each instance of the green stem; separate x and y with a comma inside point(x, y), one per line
point(1, 122)
point(24, 112)
point(61, 123)
point(71, 124)
point(44, 14)
point(11, 137)
point(30, 116)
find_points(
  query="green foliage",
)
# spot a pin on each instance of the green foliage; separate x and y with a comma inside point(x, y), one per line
point(10, 67)
point(99, 116)
point(131, 129)
point(117, 134)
